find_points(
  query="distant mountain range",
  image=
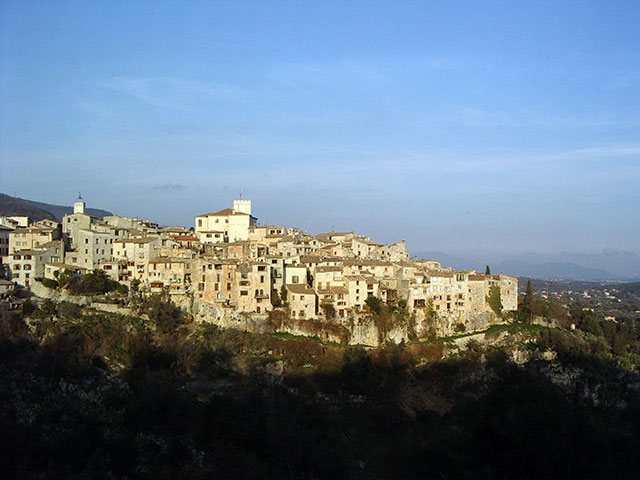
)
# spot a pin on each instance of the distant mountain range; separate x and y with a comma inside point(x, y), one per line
point(606, 266)
point(38, 211)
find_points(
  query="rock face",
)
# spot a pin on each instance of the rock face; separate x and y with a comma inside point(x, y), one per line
point(352, 331)
point(448, 325)
point(43, 292)
point(363, 330)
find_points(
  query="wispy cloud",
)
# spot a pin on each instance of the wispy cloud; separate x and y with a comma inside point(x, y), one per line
point(477, 117)
point(319, 73)
point(169, 187)
point(174, 92)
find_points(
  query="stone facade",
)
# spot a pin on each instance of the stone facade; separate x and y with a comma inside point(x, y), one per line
point(230, 267)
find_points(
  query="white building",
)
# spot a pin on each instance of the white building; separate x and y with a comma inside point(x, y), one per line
point(228, 225)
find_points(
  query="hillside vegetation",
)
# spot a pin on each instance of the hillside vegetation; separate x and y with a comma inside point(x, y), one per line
point(10, 206)
point(38, 210)
point(88, 394)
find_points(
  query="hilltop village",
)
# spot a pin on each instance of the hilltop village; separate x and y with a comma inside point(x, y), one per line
point(232, 271)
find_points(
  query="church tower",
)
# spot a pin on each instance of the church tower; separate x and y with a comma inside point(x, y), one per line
point(78, 205)
point(242, 206)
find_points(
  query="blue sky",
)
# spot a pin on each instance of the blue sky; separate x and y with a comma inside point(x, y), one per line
point(458, 126)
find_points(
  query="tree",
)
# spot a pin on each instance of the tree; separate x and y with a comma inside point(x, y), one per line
point(460, 327)
point(49, 283)
point(275, 298)
point(429, 310)
point(329, 310)
point(374, 304)
point(527, 303)
point(487, 271)
point(66, 278)
point(283, 294)
point(28, 307)
point(164, 313)
point(494, 300)
point(96, 282)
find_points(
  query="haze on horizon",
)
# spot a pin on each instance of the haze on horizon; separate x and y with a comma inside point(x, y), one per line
point(487, 126)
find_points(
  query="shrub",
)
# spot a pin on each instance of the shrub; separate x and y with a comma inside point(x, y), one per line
point(329, 310)
point(94, 283)
point(69, 310)
point(374, 304)
point(275, 298)
point(28, 307)
point(494, 300)
point(164, 313)
point(49, 283)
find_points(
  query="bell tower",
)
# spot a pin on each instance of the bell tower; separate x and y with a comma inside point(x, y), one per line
point(78, 205)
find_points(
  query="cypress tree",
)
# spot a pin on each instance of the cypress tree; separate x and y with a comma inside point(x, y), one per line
point(527, 303)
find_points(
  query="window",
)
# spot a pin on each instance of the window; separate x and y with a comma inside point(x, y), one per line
point(244, 293)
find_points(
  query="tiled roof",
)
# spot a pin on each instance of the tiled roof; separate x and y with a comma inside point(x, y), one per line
point(300, 289)
point(221, 213)
point(328, 269)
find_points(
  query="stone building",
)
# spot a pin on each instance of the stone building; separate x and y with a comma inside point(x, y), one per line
point(234, 223)
point(302, 301)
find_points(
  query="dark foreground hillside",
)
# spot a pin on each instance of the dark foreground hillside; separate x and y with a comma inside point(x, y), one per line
point(93, 395)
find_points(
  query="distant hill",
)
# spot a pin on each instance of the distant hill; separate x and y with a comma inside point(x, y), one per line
point(17, 206)
point(446, 260)
point(558, 267)
point(38, 211)
point(554, 271)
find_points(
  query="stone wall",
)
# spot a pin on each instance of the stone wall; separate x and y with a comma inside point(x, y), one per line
point(353, 331)
point(61, 295)
point(447, 325)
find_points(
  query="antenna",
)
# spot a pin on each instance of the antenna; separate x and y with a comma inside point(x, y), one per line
point(240, 194)
point(79, 196)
